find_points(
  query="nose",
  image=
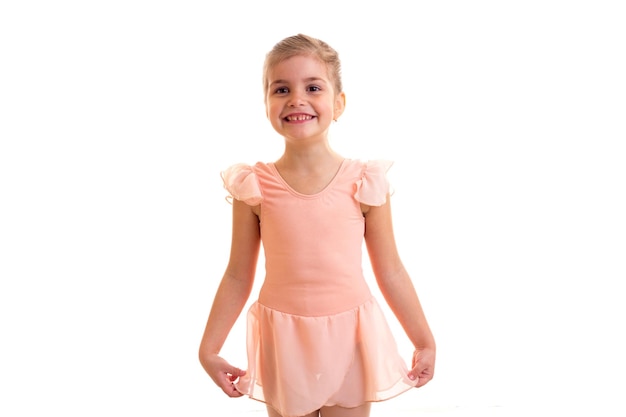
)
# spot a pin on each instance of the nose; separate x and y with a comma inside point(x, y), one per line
point(296, 99)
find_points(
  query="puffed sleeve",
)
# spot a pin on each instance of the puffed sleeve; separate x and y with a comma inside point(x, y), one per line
point(242, 183)
point(373, 187)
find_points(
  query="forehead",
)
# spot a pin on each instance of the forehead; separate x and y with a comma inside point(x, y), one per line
point(298, 67)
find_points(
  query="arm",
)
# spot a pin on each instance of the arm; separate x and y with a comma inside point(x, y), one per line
point(231, 296)
point(397, 288)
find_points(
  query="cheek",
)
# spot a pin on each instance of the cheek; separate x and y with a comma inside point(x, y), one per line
point(269, 107)
point(272, 109)
point(273, 113)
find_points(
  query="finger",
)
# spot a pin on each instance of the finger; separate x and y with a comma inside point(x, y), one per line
point(225, 382)
point(231, 390)
point(420, 373)
point(235, 373)
point(423, 381)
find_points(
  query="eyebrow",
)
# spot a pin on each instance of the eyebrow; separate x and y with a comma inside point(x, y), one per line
point(308, 80)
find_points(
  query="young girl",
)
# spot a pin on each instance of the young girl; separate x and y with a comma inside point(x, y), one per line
point(318, 343)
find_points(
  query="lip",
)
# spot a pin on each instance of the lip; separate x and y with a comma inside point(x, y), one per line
point(298, 117)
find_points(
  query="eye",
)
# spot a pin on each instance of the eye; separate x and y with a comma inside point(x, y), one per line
point(281, 90)
point(313, 88)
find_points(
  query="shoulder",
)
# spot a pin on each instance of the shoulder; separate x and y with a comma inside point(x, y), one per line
point(242, 182)
point(372, 184)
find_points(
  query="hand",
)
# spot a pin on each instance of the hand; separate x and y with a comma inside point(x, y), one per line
point(223, 374)
point(423, 366)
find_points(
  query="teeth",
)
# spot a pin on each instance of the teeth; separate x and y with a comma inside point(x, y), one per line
point(299, 117)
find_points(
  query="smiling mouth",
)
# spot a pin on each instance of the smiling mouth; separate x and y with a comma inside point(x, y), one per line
point(298, 117)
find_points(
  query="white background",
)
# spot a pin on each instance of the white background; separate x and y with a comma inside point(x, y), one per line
point(506, 122)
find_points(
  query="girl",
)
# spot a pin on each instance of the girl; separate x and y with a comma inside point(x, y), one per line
point(318, 344)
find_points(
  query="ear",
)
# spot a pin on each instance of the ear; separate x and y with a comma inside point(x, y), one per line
point(340, 105)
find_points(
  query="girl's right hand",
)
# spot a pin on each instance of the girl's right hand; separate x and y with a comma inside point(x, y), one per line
point(224, 374)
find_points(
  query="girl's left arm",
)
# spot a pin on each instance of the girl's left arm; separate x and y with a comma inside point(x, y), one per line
point(396, 286)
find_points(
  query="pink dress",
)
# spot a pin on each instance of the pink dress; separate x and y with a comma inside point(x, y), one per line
point(316, 336)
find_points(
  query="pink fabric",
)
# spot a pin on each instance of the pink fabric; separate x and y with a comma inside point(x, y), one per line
point(373, 186)
point(316, 336)
point(242, 184)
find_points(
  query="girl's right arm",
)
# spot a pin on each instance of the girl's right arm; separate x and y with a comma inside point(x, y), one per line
point(231, 296)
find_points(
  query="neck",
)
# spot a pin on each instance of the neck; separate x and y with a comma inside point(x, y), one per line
point(309, 158)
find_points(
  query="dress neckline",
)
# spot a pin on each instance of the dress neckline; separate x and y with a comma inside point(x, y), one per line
point(276, 173)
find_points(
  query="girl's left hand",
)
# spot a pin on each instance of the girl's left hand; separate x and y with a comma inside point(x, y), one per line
point(423, 366)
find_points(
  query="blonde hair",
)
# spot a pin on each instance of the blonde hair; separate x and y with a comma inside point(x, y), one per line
point(304, 45)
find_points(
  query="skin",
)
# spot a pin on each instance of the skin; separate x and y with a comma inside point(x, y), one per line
point(301, 106)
